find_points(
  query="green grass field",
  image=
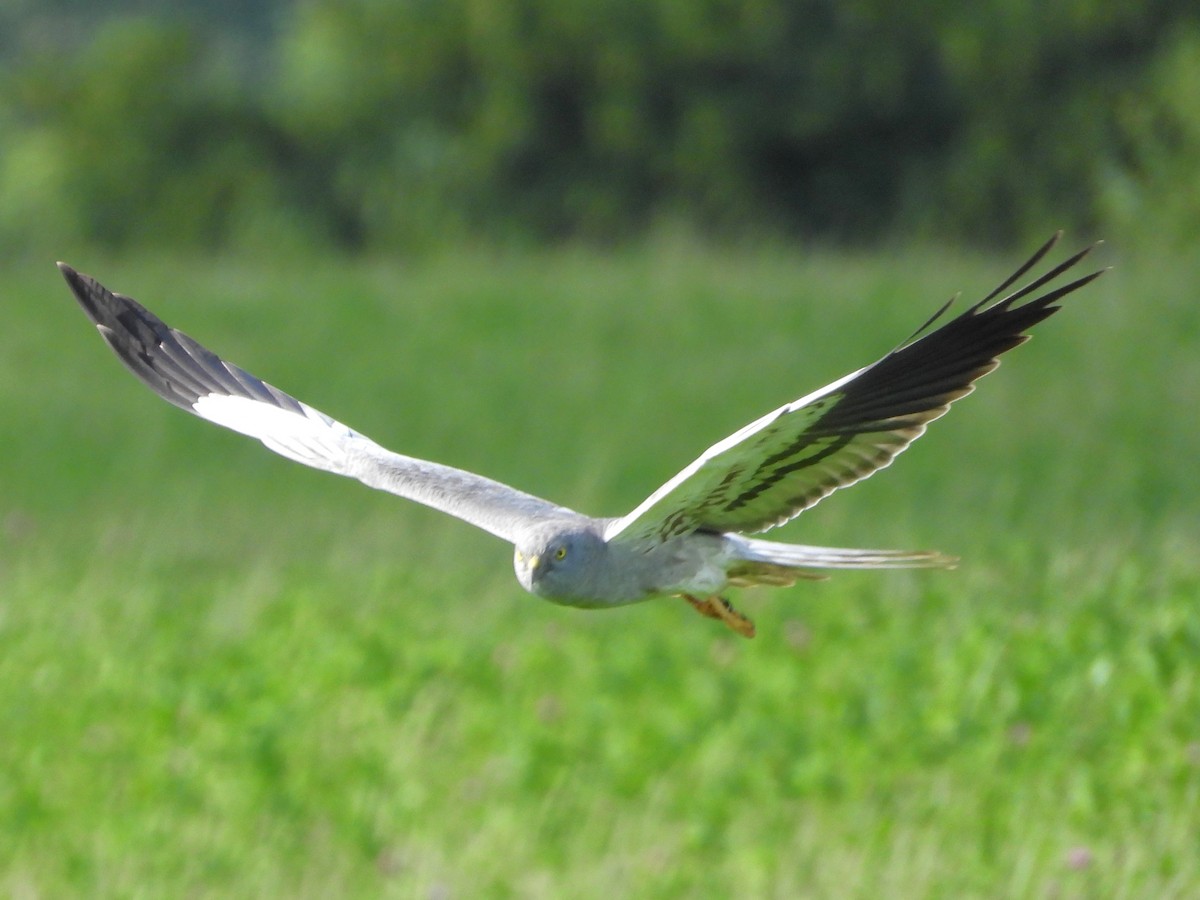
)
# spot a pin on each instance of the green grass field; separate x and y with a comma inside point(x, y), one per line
point(222, 674)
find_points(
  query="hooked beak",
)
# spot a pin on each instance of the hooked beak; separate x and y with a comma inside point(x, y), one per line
point(529, 563)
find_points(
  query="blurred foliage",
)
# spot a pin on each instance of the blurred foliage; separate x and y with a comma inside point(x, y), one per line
point(369, 124)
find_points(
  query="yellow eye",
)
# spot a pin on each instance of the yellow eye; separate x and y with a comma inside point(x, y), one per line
point(520, 557)
point(560, 553)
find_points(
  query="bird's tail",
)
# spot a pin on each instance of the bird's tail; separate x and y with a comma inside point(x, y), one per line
point(772, 563)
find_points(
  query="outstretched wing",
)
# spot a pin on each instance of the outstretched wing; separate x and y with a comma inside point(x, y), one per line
point(194, 378)
point(785, 462)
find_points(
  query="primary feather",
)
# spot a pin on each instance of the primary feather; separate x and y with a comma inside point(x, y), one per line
point(783, 463)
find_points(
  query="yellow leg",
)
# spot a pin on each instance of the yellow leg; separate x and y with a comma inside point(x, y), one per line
point(715, 607)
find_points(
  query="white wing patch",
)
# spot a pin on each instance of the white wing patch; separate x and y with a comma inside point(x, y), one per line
point(309, 437)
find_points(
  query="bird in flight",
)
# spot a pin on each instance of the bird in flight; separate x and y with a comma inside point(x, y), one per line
point(691, 537)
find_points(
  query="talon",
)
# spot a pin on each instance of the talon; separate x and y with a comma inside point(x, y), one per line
point(715, 607)
point(704, 607)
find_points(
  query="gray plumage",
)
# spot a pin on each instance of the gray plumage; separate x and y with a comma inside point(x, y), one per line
point(688, 538)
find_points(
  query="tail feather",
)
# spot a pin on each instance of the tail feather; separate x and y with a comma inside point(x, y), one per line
point(770, 562)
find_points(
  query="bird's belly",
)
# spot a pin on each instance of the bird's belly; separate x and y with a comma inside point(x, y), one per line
point(595, 603)
point(689, 564)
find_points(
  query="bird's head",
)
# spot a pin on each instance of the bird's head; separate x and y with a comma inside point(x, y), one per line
point(558, 563)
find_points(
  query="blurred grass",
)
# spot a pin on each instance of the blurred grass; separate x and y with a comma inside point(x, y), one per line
point(221, 673)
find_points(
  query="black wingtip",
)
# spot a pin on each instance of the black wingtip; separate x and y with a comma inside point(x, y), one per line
point(928, 322)
point(71, 274)
point(89, 293)
point(1029, 264)
point(68, 272)
point(78, 282)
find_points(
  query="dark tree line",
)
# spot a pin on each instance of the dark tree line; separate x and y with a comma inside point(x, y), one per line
point(365, 124)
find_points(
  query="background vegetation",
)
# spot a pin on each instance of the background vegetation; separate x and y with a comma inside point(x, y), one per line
point(223, 674)
point(366, 124)
point(570, 245)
